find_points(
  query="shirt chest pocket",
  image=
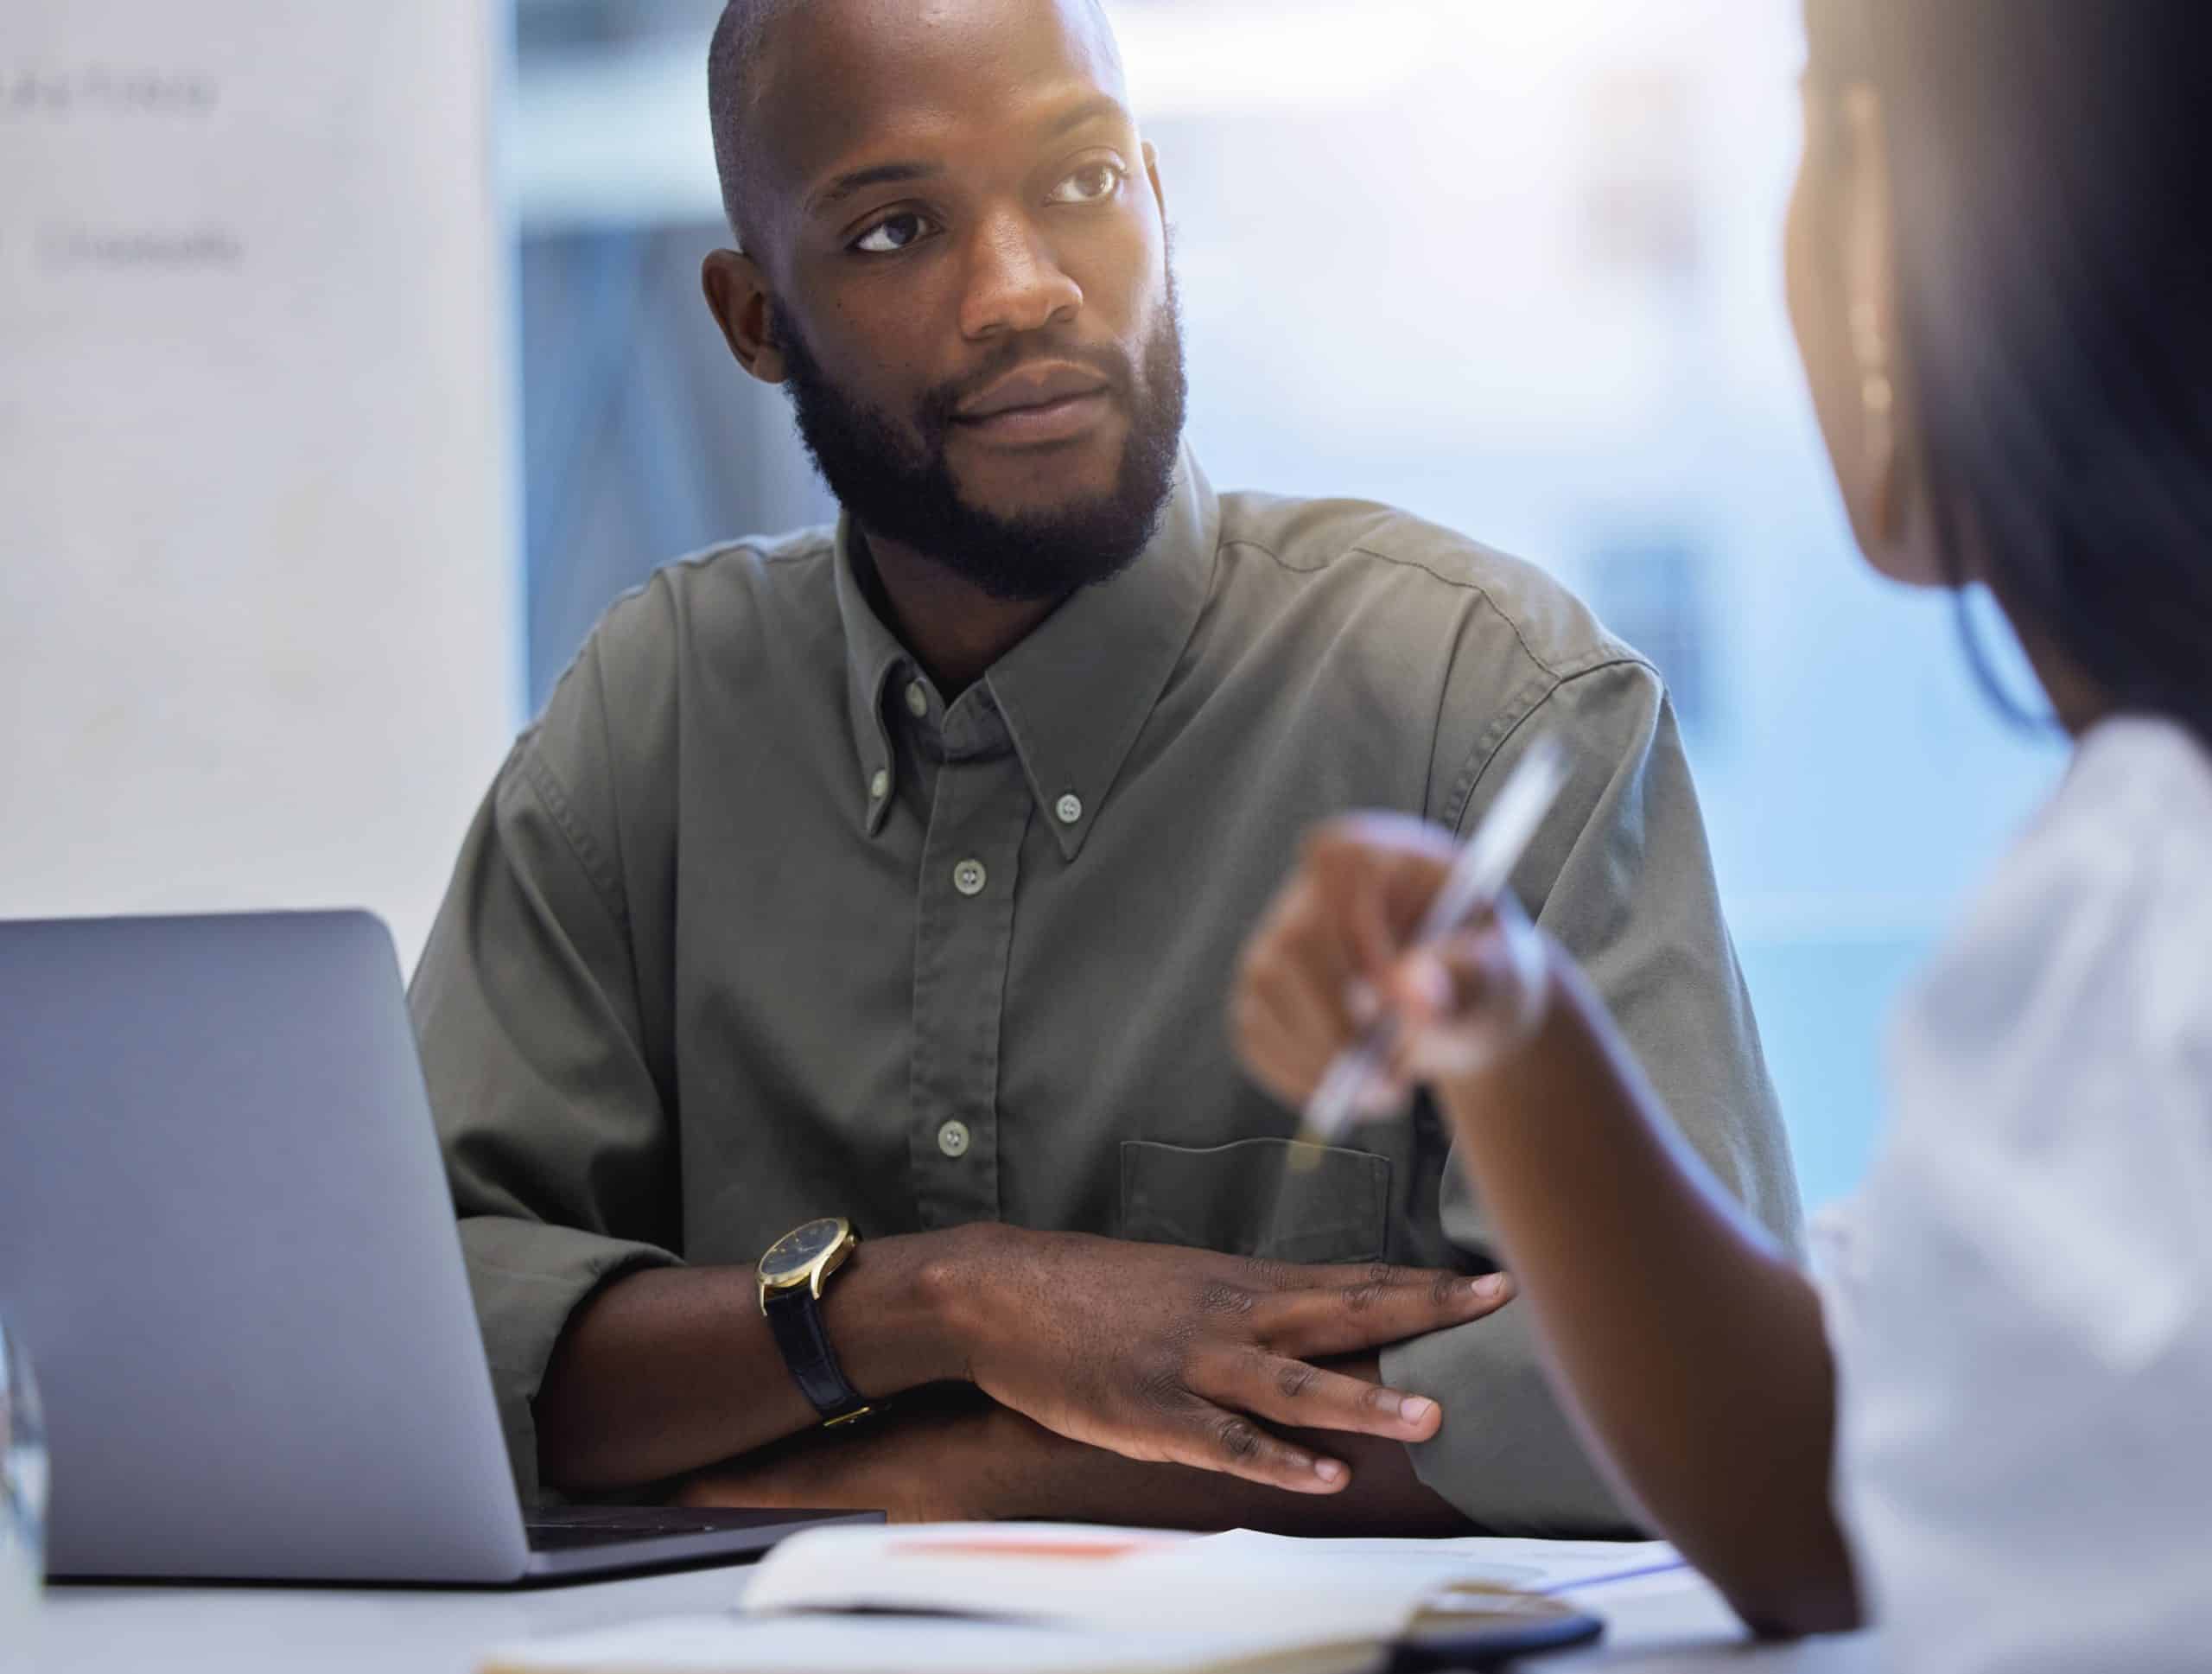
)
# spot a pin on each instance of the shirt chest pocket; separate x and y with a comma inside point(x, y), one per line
point(1254, 1198)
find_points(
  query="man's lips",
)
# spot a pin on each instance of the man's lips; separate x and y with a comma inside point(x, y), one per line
point(1034, 388)
point(1068, 418)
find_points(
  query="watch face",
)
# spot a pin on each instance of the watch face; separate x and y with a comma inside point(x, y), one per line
point(798, 1249)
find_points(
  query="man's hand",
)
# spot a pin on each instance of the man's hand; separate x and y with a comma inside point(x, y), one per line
point(951, 1454)
point(1185, 1356)
point(1152, 1352)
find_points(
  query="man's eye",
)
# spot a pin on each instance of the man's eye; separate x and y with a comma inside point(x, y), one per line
point(892, 235)
point(1093, 183)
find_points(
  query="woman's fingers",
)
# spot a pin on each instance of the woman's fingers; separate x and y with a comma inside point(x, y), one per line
point(1329, 960)
point(1276, 1037)
point(1293, 1010)
point(1470, 1000)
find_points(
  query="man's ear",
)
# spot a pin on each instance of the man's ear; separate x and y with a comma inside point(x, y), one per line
point(737, 297)
point(1152, 173)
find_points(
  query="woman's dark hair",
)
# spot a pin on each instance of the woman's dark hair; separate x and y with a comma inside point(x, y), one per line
point(2051, 164)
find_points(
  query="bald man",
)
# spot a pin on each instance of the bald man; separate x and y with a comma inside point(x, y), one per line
point(825, 1023)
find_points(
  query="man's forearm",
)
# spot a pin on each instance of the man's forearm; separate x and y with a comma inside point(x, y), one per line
point(954, 1455)
point(670, 1370)
point(1152, 1352)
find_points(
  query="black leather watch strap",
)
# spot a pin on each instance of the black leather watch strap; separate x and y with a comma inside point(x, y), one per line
point(796, 1318)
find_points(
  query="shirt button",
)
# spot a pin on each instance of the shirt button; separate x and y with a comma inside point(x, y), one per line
point(879, 787)
point(952, 1139)
point(1068, 808)
point(917, 699)
point(969, 877)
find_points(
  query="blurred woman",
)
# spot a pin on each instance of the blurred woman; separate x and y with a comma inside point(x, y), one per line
point(1990, 1425)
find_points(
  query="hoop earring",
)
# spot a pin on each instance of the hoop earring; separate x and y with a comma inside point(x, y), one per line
point(1878, 414)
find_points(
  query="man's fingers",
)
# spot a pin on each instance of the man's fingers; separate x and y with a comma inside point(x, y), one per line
point(1307, 1397)
point(1295, 1276)
point(1366, 1314)
point(1215, 1439)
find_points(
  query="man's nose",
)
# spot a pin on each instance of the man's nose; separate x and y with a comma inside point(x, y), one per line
point(1015, 282)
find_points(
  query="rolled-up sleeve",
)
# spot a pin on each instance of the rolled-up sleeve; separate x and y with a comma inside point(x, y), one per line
point(1623, 879)
point(556, 1133)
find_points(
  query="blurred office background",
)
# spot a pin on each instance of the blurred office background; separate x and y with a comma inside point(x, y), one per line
point(1513, 265)
point(271, 610)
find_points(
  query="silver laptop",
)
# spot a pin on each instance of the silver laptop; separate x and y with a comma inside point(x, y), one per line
point(228, 1245)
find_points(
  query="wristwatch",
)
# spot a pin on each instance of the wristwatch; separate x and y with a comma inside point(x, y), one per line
point(793, 1274)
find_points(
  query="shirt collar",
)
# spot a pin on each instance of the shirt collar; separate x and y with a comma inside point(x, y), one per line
point(1078, 690)
point(872, 657)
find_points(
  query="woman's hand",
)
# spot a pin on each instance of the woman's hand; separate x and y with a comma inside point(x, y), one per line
point(1331, 955)
point(1688, 1343)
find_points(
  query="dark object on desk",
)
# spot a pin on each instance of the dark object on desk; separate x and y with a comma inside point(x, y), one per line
point(224, 1222)
point(1518, 1625)
point(596, 1542)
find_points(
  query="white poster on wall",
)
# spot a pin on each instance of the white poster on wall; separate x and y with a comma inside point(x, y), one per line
point(258, 613)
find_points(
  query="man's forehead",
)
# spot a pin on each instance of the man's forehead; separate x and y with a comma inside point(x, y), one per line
point(841, 78)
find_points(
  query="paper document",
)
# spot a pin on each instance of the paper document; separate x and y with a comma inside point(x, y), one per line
point(1088, 1600)
point(899, 1644)
point(1079, 1575)
point(1537, 1566)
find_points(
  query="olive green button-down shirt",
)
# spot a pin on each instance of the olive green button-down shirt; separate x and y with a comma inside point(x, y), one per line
point(756, 924)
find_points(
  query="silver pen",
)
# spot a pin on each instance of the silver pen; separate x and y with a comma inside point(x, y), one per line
point(1478, 877)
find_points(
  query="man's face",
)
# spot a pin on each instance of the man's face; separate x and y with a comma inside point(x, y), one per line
point(972, 303)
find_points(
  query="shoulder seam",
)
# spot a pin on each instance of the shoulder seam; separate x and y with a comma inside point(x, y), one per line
point(1526, 704)
point(1615, 660)
point(553, 797)
point(706, 555)
point(1572, 669)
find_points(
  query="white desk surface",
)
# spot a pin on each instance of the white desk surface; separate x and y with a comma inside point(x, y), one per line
point(1664, 1625)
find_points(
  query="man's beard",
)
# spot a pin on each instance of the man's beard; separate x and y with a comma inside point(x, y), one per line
point(899, 487)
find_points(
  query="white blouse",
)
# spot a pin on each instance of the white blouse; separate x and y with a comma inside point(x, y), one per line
point(2021, 1299)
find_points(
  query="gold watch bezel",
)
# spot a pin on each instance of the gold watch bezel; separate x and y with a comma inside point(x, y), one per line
point(816, 1270)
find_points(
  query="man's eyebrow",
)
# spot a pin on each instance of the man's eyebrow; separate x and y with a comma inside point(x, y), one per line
point(888, 173)
point(880, 174)
point(1099, 104)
